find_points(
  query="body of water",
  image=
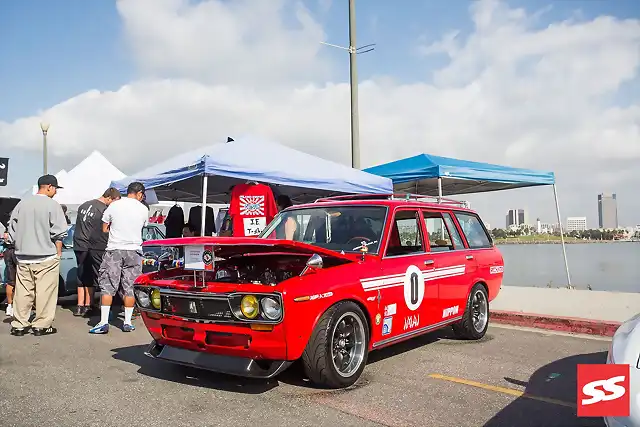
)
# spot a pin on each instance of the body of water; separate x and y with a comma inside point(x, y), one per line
point(601, 266)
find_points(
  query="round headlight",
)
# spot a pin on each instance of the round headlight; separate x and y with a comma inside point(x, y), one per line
point(271, 308)
point(249, 306)
point(143, 298)
point(156, 301)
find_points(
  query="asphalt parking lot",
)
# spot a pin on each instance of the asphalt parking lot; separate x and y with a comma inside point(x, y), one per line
point(512, 377)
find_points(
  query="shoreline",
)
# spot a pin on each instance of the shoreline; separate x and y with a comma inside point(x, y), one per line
point(558, 242)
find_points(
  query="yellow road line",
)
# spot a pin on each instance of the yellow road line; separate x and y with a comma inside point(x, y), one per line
point(503, 390)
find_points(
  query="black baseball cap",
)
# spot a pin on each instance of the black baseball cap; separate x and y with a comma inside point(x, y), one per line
point(48, 180)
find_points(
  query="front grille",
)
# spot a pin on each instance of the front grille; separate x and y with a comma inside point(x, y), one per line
point(197, 308)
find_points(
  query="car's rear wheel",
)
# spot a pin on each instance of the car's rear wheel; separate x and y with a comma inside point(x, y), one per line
point(337, 351)
point(475, 320)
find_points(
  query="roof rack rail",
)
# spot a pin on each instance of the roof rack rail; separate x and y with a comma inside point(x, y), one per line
point(395, 196)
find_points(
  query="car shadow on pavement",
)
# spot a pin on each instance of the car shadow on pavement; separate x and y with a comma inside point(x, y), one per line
point(410, 344)
point(190, 376)
point(556, 381)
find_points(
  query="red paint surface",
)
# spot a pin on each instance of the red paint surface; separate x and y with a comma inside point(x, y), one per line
point(556, 323)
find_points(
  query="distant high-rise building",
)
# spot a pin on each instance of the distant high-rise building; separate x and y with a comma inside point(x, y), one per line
point(607, 211)
point(516, 218)
point(576, 223)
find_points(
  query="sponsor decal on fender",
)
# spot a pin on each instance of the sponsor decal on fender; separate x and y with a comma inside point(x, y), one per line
point(386, 326)
point(496, 269)
point(318, 296)
point(411, 322)
point(378, 317)
point(390, 309)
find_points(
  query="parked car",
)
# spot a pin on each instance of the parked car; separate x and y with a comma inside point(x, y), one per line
point(69, 266)
point(360, 274)
point(625, 349)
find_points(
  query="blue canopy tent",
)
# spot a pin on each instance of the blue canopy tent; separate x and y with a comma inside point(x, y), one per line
point(207, 174)
point(436, 176)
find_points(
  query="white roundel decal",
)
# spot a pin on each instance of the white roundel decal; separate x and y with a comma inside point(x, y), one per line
point(413, 287)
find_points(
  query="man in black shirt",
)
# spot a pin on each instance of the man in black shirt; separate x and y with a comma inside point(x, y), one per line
point(89, 244)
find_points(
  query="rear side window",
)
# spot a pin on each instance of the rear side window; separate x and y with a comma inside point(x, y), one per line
point(440, 236)
point(473, 230)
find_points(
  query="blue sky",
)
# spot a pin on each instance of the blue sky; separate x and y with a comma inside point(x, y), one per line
point(53, 50)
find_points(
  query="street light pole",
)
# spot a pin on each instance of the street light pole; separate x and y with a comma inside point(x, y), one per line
point(353, 83)
point(44, 126)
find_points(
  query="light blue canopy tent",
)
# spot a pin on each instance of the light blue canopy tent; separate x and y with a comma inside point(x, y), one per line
point(437, 176)
point(207, 174)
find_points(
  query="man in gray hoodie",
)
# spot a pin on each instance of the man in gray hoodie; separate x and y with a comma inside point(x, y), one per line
point(37, 227)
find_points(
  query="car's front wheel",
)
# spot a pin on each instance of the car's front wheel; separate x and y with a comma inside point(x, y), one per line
point(337, 351)
point(475, 322)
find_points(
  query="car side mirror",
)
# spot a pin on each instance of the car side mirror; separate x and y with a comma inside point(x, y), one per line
point(313, 263)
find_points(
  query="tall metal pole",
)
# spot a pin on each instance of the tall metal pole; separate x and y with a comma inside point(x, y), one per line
point(45, 128)
point(564, 250)
point(353, 81)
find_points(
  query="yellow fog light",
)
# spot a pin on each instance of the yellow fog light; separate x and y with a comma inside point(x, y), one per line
point(249, 306)
point(156, 302)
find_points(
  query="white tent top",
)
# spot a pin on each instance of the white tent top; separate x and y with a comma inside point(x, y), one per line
point(88, 180)
point(62, 176)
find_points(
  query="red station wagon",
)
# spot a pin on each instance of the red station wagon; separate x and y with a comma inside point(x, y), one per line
point(360, 273)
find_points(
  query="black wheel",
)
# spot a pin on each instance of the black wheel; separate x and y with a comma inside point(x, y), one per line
point(337, 351)
point(475, 320)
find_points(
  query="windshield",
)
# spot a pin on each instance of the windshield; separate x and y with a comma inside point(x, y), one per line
point(338, 228)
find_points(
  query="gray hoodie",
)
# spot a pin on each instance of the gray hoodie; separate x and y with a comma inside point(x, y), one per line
point(36, 223)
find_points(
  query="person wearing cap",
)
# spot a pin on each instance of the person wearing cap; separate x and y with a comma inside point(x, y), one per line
point(37, 227)
point(124, 220)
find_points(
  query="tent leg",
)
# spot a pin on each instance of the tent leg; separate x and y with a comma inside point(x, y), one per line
point(205, 182)
point(439, 189)
point(564, 250)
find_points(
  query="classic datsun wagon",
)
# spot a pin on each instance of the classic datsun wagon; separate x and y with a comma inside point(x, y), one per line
point(360, 273)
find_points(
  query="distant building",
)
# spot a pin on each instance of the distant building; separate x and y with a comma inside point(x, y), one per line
point(516, 218)
point(607, 211)
point(576, 223)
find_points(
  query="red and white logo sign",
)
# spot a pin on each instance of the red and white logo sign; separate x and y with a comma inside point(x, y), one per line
point(603, 391)
point(251, 205)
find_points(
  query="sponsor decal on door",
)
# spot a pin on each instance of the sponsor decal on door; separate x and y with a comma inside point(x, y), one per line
point(451, 311)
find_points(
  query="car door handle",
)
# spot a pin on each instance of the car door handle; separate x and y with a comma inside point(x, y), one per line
point(469, 257)
point(428, 262)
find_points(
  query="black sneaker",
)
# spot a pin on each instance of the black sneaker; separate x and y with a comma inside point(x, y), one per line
point(80, 310)
point(44, 331)
point(18, 332)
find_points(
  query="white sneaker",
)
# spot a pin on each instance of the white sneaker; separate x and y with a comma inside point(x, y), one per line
point(9, 312)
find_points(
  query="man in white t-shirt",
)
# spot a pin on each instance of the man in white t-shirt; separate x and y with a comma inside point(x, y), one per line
point(122, 261)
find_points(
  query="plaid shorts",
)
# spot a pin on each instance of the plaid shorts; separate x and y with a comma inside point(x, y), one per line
point(118, 271)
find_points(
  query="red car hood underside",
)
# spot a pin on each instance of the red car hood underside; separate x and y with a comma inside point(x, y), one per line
point(225, 247)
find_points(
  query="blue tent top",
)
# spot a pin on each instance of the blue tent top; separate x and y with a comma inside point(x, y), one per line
point(301, 176)
point(419, 174)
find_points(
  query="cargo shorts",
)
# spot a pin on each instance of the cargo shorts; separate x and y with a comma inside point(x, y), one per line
point(118, 270)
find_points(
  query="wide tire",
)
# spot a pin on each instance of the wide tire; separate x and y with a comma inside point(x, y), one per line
point(475, 321)
point(318, 356)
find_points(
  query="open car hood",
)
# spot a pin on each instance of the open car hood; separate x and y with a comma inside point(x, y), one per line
point(226, 247)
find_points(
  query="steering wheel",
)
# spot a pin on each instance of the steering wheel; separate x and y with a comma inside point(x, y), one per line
point(360, 239)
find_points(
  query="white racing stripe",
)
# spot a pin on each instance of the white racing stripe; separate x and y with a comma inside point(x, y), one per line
point(384, 282)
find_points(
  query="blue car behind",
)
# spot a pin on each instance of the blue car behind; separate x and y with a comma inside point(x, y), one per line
point(68, 264)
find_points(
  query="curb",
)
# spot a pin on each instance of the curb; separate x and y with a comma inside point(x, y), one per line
point(556, 323)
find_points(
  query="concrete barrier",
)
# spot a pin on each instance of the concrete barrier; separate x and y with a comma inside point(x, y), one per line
point(569, 310)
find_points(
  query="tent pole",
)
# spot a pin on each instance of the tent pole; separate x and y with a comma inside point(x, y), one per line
point(564, 250)
point(439, 189)
point(205, 181)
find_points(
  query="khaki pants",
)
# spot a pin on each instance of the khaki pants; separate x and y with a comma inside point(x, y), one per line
point(36, 282)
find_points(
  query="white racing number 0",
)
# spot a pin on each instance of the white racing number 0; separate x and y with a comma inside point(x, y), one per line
point(413, 287)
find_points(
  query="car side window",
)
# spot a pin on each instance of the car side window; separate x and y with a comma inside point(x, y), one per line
point(439, 237)
point(473, 230)
point(406, 237)
point(453, 230)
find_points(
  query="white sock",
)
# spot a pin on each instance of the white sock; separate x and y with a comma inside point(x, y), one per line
point(128, 313)
point(104, 314)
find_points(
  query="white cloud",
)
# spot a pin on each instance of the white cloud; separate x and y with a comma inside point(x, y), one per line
point(513, 92)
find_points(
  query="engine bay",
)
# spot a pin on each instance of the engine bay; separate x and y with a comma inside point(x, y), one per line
point(266, 269)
